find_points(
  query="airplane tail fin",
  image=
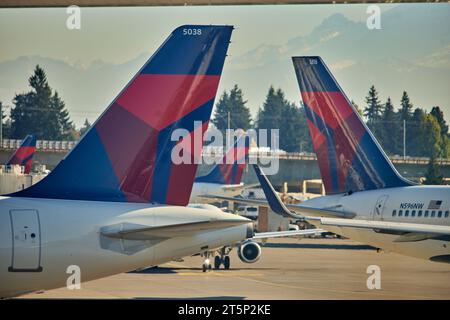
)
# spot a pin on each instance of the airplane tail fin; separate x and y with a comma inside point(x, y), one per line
point(24, 154)
point(232, 166)
point(350, 159)
point(126, 155)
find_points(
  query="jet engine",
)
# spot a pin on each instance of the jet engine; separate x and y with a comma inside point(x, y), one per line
point(249, 252)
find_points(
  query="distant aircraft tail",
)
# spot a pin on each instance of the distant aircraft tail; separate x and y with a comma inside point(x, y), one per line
point(126, 155)
point(23, 156)
point(350, 159)
point(228, 172)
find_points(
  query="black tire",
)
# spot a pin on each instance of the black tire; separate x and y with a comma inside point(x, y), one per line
point(217, 262)
point(204, 267)
point(226, 262)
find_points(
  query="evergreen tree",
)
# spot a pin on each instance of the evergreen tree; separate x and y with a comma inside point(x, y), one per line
point(416, 139)
point(439, 115)
point(433, 175)
point(445, 140)
point(373, 111)
point(390, 136)
point(278, 113)
point(234, 104)
point(85, 127)
point(40, 111)
point(406, 107)
point(431, 137)
point(270, 115)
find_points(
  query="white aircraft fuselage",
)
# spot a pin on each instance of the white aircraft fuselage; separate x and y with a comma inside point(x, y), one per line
point(379, 205)
point(41, 238)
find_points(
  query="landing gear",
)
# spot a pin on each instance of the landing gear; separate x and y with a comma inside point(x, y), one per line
point(222, 258)
point(206, 263)
point(226, 262)
point(217, 262)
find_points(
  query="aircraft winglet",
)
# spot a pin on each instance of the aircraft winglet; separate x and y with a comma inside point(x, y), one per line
point(273, 199)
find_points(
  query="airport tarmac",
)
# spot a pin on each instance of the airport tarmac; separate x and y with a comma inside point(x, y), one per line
point(288, 269)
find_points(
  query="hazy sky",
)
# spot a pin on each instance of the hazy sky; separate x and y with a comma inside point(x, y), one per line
point(123, 38)
point(119, 34)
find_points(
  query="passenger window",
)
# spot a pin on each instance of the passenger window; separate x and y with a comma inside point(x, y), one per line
point(426, 214)
point(419, 214)
point(446, 214)
point(413, 213)
point(440, 214)
point(406, 213)
point(400, 213)
point(433, 213)
point(394, 213)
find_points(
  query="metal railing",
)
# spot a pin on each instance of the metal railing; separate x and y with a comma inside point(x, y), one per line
point(65, 146)
point(41, 145)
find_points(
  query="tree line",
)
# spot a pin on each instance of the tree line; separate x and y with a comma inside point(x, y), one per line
point(426, 133)
point(413, 130)
point(406, 128)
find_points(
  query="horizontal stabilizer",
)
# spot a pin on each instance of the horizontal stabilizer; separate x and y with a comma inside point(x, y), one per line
point(296, 210)
point(291, 233)
point(238, 187)
point(132, 231)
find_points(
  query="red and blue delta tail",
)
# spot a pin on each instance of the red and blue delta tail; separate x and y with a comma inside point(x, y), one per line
point(350, 159)
point(126, 155)
point(232, 166)
point(24, 155)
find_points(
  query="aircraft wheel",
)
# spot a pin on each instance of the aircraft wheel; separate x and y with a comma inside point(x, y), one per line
point(226, 262)
point(217, 262)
